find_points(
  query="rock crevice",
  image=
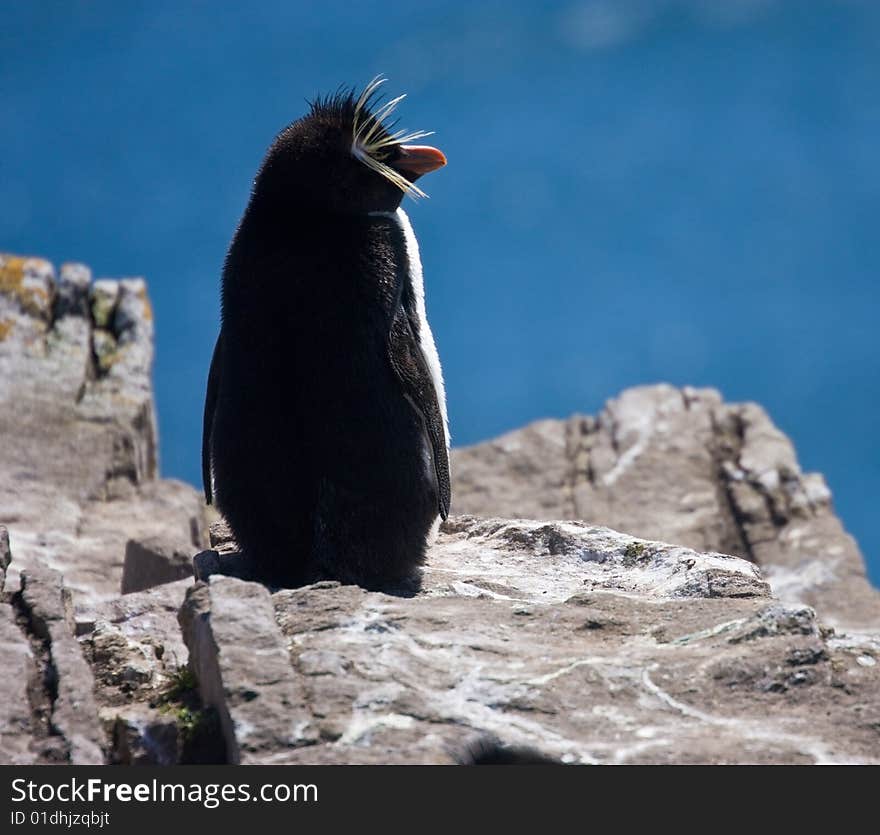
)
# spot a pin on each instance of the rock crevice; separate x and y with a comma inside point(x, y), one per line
point(62, 725)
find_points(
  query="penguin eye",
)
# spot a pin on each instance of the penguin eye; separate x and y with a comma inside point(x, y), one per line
point(374, 144)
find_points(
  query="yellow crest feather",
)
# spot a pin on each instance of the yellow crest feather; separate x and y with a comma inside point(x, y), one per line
point(371, 139)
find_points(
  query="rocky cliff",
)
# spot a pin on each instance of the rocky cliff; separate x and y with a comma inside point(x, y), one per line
point(78, 463)
point(529, 639)
point(680, 465)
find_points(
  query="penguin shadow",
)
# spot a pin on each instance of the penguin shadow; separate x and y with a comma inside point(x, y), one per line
point(489, 750)
point(236, 564)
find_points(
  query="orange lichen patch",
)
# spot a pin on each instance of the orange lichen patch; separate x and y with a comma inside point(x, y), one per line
point(5, 328)
point(32, 298)
point(148, 308)
point(11, 274)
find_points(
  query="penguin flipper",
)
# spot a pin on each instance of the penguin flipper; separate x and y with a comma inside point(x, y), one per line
point(208, 421)
point(411, 369)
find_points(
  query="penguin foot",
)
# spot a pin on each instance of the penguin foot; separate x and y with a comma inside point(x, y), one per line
point(237, 564)
point(209, 563)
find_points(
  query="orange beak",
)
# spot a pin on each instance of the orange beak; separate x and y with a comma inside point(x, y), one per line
point(416, 160)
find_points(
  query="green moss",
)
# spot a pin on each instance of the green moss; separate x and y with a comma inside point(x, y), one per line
point(190, 722)
point(182, 681)
point(198, 725)
point(180, 699)
point(103, 298)
point(634, 551)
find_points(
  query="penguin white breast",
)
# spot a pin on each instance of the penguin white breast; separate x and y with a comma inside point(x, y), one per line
point(417, 284)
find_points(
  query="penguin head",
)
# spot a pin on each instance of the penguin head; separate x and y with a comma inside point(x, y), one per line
point(343, 158)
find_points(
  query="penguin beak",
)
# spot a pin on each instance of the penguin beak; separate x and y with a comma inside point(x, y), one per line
point(415, 160)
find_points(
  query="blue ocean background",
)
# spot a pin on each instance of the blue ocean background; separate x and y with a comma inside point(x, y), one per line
point(637, 191)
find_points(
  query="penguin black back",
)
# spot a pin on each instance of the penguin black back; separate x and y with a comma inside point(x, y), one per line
point(325, 443)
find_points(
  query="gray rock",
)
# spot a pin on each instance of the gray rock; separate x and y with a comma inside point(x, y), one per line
point(241, 662)
point(74, 714)
point(80, 478)
point(72, 296)
point(539, 641)
point(525, 559)
point(143, 735)
point(18, 665)
point(47, 603)
point(5, 555)
point(134, 643)
point(680, 465)
point(155, 561)
point(220, 537)
point(536, 640)
point(121, 662)
point(527, 641)
point(134, 646)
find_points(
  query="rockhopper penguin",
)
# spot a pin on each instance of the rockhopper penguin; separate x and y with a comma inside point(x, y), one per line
point(325, 441)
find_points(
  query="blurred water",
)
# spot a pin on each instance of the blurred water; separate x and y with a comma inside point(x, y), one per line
point(638, 190)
